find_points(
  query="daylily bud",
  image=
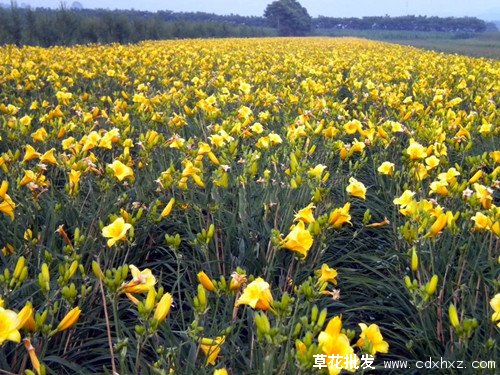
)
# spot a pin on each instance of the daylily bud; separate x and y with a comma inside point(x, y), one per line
point(41, 318)
point(262, 323)
point(298, 328)
point(300, 347)
point(322, 318)
point(163, 307)
point(213, 158)
point(24, 274)
point(210, 233)
point(19, 267)
point(414, 260)
point(438, 225)
point(69, 320)
point(33, 357)
point(293, 163)
point(432, 285)
point(72, 269)
point(149, 304)
point(25, 317)
point(408, 282)
point(96, 268)
point(168, 208)
point(476, 177)
point(202, 297)
point(312, 150)
point(206, 282)
point(44, 278)
point(452, 313)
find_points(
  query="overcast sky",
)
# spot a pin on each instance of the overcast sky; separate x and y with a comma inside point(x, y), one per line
point(487, 9)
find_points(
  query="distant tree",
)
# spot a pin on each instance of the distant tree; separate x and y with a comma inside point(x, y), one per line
point(76, 5)
point(491, 27)
point(15, 24)
point(289, 17)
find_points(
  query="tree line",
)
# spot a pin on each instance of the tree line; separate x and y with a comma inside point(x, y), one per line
point(409, 23)
point(64, 26)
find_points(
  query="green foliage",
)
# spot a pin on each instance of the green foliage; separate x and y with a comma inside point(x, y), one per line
point(65, 26)
point(289, 17)
point(409, 23)
point(47, 27)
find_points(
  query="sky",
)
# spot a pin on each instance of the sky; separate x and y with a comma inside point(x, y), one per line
point(486, 9)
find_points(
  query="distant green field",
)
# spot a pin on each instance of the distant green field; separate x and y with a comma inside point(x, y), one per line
point(482, 46)
point(478, 45)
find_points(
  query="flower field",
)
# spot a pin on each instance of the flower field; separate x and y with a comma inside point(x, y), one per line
point(247, 206)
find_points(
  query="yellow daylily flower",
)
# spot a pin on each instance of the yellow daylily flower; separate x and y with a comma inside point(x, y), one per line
point(356, 188)
point(439, 187)
point(352, 127)
point(335, 344)
point(9, 323)
point(340, 216)
point(416, 151)
point(432, 162)
point(74, 181)
point(405, 199)
point(221, 371)
point(299, 239)
point(91, 140)
point(40, 135)
point(142, 281)
point(274, 138)
point(7, 205)
point(305, 214)
point(484, 195)
point(482, 222)
point(327, 275)
point(495, 305)
point(121, 171)
point(30, 153)
point(25, 120)
point(317, 171)
point(371, 335)
point(257, 128)
point(257, 295)
point(386, 168)
point(116, 231)
point(176, 142)
point(211, 348)
point(49, 157)
point(449, 176)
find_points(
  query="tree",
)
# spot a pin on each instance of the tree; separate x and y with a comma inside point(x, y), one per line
point(289, 17)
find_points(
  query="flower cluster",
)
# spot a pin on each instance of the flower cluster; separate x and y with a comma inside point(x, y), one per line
point(254, 192)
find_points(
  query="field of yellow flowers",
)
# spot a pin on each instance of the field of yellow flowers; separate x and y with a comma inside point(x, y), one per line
point(259, 206)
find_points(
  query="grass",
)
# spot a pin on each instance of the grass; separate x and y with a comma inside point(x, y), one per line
point(476, 45)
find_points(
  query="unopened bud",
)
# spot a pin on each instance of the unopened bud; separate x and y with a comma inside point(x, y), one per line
point(432, 285)
point(452, 313)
